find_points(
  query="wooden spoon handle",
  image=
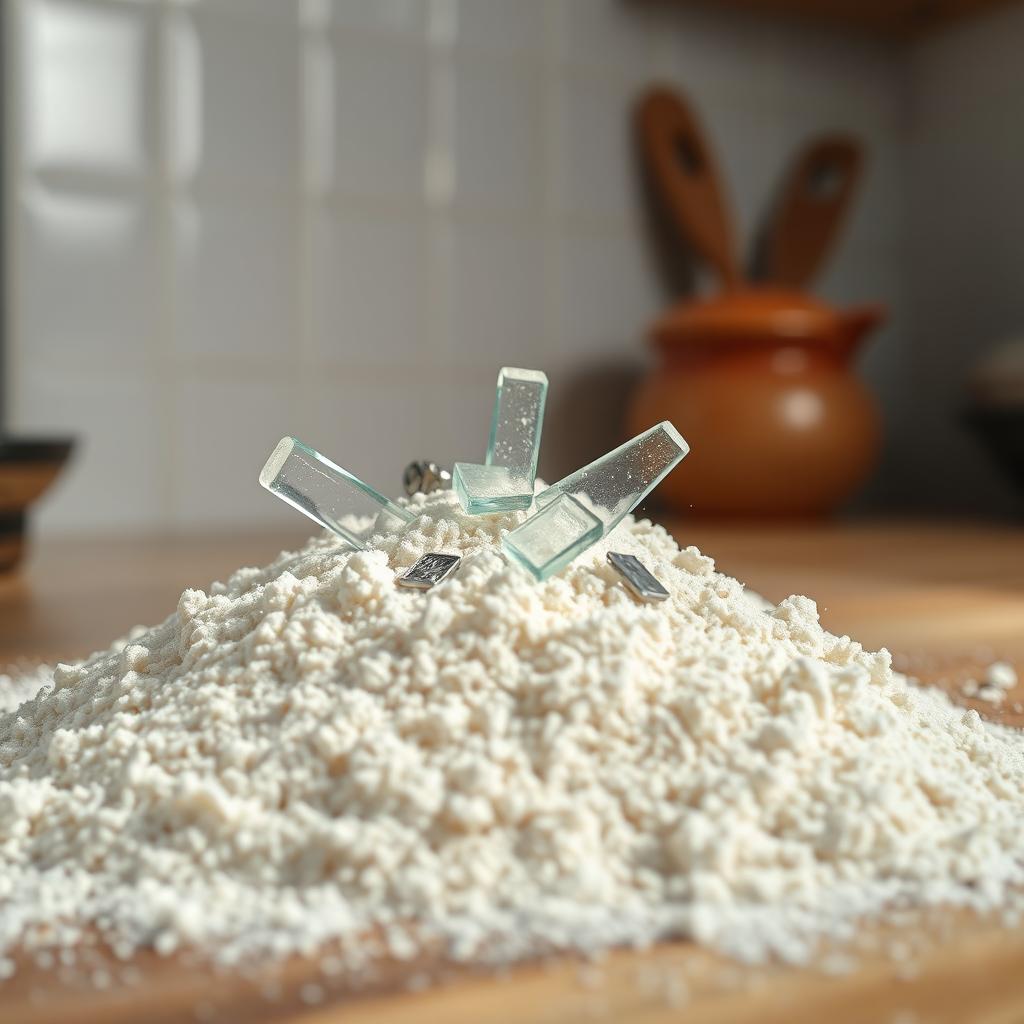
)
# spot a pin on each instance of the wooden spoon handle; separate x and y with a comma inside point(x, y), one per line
point(686, 177)
point(812, 208)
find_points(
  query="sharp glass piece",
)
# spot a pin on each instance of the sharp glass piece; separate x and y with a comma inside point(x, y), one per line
point(517, 421)
point(505, 481)
point(613, 485)
point(550, 539)
point(328, 494)
point(486, 489)
point(637, 577)
point(425, 477)
point(429, 570)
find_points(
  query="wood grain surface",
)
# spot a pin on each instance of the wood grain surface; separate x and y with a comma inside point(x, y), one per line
point(945, 598)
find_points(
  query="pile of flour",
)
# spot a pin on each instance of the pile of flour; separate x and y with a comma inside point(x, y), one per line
point(496, 767)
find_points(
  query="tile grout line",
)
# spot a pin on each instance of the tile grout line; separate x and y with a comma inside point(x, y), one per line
point(15, 179)
point(168, 323)
point(553, 162)
point(316, 71)
point(439, 179)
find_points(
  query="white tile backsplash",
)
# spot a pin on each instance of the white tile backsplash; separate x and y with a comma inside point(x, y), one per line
point(235, 219)
point(608, 34)
point(610, 297)
point(516, 28)
point(86, 85)
point(225, 427)
point(380, 119)
point(498, 134)
point(497, 283)
point(248, 86)
point(88, 273)
point(407, 16)
point(227, 251)
point(369, 290)
point(373, 425)
point(600, 170)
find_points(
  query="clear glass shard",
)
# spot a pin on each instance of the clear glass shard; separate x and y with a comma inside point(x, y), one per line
point(517, 421)
point(513, 447)
point(485, 489)
point(613, 485)
point(550, 539)
point(328, 494)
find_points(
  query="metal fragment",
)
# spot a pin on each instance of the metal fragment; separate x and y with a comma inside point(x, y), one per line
point(425, 477)
point(637, 577)
point(429, 570)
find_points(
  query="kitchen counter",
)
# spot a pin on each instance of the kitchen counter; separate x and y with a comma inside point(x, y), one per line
point(949, 590)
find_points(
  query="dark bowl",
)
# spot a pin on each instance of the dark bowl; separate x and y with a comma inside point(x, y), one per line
point(1001, 430)
point(27, 468)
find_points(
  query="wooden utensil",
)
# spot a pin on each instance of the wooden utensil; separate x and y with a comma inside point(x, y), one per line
point(812, 207)
point(687, 178)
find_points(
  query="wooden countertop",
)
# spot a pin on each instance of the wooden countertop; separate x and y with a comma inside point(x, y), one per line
point(947, 589)
point(942, 595)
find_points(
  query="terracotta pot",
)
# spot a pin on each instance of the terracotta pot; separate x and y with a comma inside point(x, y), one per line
point(761, 384)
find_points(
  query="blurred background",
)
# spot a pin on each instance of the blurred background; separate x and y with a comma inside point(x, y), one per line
point(229, 220)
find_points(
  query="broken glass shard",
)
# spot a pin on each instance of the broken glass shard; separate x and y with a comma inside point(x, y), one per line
point(613, 485)
point(328, 494)
point(550, 539)
point(505, 481)
point(485, 489)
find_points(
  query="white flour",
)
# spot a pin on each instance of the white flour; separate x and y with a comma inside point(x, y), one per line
point(309, 751)
point(17, 687)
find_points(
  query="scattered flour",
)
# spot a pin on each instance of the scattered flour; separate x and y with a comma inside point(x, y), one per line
point(309, 753)
point(18, 687)
point(1000, 678)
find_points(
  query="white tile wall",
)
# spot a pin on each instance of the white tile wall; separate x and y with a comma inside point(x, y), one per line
point(235, 289)
point(599, 180)
point(85, 87)
point(232, 219)
point(223, 423)
point(247, 105)
point(380, 117)
point(88, 277)
point(369, 290)
point(516, 28)
point(497, 300)
point(498, 134)
point(610, 296)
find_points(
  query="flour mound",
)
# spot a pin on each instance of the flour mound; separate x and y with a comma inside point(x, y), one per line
point(496, 767)
point(16, 687)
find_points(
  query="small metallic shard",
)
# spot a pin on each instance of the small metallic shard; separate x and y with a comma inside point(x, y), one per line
point(430, 570)
point(637, 577)
point(425, 477)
